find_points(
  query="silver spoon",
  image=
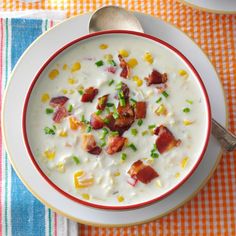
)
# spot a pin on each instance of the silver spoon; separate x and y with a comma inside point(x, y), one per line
point(113, 17)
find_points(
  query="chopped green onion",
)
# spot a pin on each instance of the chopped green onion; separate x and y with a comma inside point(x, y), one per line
point(114, 133)
point(115, 115)
point(111, 82)
point(119, 86)
point(109, 104)
point(151, 126)
point(159, 99)
point(121, 94)
point(54, 127)
point(154, 155)
point(106, 121)
point(103, 144)
point(104, 133)
point(107, 110)
point(81, 92)
point(99, 63)
point(186, 110)
point(165, 94)
point(48, 130)
point(189, 101)
point(98, 112)
point(140, 122)
point(134, 132)
point(133, 147)
point(76, 160)
point(112, 62)
point(49, 111)
point(145, 132)
point(122, 102)
point(89, 128)
point(133, 100)
point(70, 108)
point(123, 156)
point(82, 118)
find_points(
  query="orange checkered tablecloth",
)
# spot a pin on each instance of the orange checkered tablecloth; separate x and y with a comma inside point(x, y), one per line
point(213, 210)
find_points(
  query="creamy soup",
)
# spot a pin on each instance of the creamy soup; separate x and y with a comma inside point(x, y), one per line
point(117, 120)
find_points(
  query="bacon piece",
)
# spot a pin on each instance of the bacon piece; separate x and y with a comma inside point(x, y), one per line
point(115, 144)
point(111, 69)
point(58, 101)
point(60, 114)
point(89, 144)
point(140, 110)
point(124, 66)
point(89, 94)
point(96, 121)
point(102, 101)
point(165, 140)
point(143, 173)
point(156, 78)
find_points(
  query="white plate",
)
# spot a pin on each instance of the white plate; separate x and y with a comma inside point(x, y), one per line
point(217, 6)
point(14, 99)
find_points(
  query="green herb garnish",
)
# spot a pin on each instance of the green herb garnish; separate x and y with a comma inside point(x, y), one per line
point(122, 102)
point(106, 121)
point(49, 110)
point(140, 122)
point(103, 144)
point(154, 153)
point(89, 128)
point(165, 94)
point(123, 156)
point(115, 115)
point(98, 112)
point(104, 133)
point(134, 132)
point(133, 147)
point(159, 99)
point(119, 86)
point(114, 133)
point(133, 100)
point(189, 101)
point(70, 108)
point(111, 82)
point(48, 130)
point(112, 62)
point(99, 63)
point(81, 92)
point(107, 110)
point(145, 132)
point(76, 160)
point(110, 104)
point(186, 110)
point(151, 126)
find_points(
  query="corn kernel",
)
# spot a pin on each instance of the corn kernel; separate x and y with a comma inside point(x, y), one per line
point(45, 97)
point(139, 82)
point(71, 91)
point(71, 81)
point(150, 161)
point(161, 110)
point(117, 174)
point(79, 173)
point(120, 198)
point(183, 73)
point(108, 57)
point(148, 57)
point(177, 175)
point(159, 184)
point(135, 78)
point(85, 196)
point(50, 155)
point(124, 53)
point(60, 167)
point(53, 74)
point(63, 134)
point(132, 62)
point(75, 67)
point(64, 91)
point(65, 66)
point(187, 122)
point(103, 46)
point(184, 162)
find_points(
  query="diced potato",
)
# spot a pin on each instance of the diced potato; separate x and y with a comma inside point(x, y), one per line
point(45, 97)
point(103, 46)
point(187, 122)
point(75, 67)
point(85, 196)
point(148, 57)
point(120, 198)
point(132, 62)
point(124, 53)
point(184, 162)
point(53, 74)
point(49, 154)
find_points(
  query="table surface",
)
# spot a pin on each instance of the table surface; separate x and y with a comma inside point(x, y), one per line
point(213, 210)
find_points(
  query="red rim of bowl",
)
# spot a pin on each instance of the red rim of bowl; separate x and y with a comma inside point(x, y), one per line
point(126, 207)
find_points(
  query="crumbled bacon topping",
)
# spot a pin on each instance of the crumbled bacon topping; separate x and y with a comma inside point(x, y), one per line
point(60, 114)
point(89, 94)
point(143, 173)
point(96, 121)
point(89, 144)
point(156, 78)
point(125, 67)
point(102, 101)
point(115, 144)
point(58, 101)
point(165, 140)
point(140, 110)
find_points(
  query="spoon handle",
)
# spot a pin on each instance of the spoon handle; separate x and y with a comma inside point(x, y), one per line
point(226, 139)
